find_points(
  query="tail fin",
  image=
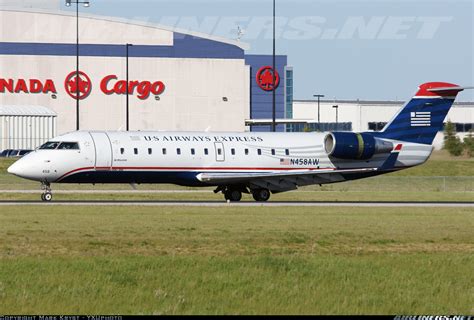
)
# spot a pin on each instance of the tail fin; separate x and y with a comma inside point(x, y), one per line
point(420, 119)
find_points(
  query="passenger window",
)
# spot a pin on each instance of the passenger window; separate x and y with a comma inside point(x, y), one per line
point(193, 152)
point(259, 152)
point(150, 150)
point(122, 150)
point(68, 146)
point(219, 152)
point(164, 151)
point(232, 151)
point(206, 151)
point(178, 151)
point(49, 146)
point(287, 152)
point(135, 151)
point(273, 152)
point(246, 152)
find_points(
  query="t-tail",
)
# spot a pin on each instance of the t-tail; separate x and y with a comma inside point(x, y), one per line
point(422, 117)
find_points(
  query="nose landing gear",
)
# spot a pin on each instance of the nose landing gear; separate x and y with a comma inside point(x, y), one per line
point(47, 195)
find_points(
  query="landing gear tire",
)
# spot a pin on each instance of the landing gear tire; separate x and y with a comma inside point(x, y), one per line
point(261, 195)
point(48, 196)
point(233, 195)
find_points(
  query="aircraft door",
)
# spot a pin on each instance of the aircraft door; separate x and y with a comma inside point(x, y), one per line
point(103, 151)
point(220, 152)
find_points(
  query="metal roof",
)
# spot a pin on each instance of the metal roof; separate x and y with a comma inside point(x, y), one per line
point(36, 111)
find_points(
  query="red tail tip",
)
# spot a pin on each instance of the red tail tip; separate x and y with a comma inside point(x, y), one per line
point(425, 90)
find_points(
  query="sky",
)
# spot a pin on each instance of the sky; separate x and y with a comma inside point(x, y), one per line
point(357, 49)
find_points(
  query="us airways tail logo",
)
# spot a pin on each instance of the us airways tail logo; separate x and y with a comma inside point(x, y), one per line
point(421, 119)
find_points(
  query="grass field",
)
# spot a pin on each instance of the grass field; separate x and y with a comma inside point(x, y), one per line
point(442, 178)
point(136, 260)
point(230, 260)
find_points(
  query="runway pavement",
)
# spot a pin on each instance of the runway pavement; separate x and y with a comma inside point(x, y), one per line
point(240, 204)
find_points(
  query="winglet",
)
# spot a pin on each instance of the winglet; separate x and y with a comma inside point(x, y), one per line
point(389, 164)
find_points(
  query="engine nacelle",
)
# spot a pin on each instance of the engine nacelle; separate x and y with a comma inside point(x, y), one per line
point(355, 146)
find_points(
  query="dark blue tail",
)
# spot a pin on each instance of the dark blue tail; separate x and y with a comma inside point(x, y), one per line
point(422, 118)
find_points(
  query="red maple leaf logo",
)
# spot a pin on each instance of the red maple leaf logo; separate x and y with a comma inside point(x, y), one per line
point(75, 83)
point(83, 85)
point(265, 78)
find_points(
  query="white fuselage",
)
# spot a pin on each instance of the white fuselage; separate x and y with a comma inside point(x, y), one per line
point(179, 157)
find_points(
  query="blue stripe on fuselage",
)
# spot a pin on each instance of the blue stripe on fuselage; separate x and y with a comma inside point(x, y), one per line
point(138, 177)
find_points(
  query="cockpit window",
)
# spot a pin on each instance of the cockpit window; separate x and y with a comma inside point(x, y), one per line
point(68, 146)
point(49, 145)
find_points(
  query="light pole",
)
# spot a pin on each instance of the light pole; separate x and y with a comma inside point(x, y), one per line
point(86, 4)
point(337, 114)
point(319, 96)
point(274, 70)
point(128, 45)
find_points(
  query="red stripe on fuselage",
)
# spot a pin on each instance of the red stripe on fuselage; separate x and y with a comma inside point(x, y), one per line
point(74, 171)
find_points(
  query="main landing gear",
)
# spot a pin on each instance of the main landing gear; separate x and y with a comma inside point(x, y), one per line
point(47, 195)
point(261, 195)
point(234, 194)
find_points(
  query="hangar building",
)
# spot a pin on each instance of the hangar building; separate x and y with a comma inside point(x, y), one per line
point(180, 80)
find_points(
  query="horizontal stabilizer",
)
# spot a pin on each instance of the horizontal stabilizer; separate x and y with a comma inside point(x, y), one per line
point(455, 89)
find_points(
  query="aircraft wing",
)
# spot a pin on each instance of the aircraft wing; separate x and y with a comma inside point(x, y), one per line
point(235, 177)
point(290, 179)
point(282, 180)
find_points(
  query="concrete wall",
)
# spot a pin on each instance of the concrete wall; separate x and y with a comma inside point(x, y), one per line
point(192, 100)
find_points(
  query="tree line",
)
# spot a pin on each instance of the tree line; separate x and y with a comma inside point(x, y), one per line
point(454, 145)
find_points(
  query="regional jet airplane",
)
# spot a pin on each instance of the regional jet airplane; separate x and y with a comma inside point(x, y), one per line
point(256, 163)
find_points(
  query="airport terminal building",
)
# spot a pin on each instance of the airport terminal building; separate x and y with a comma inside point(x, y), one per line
point(177, 80)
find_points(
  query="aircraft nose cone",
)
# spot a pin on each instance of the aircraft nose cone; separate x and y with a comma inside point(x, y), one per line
point(18, 169)
point(13, 169)
point(27, 168)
